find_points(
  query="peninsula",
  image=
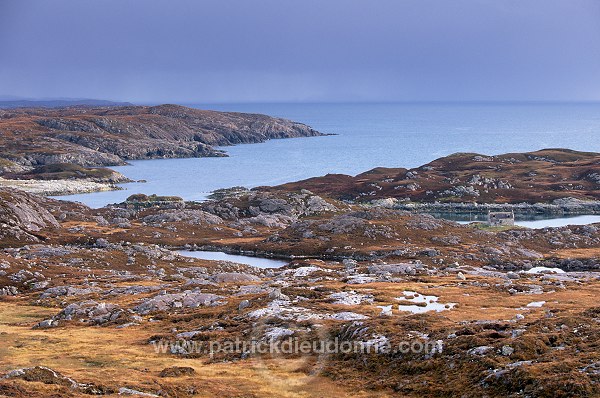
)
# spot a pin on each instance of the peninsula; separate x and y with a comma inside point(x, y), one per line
point(83, 137)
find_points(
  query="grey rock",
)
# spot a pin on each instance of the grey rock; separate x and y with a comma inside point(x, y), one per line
point(51, 376)
point(234, 277)
point(9, 291)
point(188, 216)
point(507, 350)
point(512, 275)
point(276, 294)
point(129, 391)
point(60, 291)
point(350, 265)
point(243, 305)
point(46, 324)
point(360, 279)
point(480, 351)
point(90, 311)
point(102, 243)
point(429, 252)
point(348, 316)
point(394, 269)
point(23, 215)
point(187, 299)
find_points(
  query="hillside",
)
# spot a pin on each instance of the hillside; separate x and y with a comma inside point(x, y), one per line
point(534, 177)
point(105, 136)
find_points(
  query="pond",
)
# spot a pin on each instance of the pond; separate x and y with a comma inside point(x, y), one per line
point(259, 262)
point(551, 222)
point(560, 222)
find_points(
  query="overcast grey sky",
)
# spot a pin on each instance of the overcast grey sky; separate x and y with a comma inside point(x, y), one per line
point(305, 50)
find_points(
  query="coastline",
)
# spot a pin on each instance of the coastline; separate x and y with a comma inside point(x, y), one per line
point(58, 187)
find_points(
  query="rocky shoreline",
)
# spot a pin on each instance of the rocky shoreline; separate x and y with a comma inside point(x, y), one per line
point(109, 136)
point(58, 187)
point(79, 139)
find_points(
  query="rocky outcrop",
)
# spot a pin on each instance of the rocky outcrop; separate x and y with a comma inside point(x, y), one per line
point(88, 311)
point(270, 209)
point(192, 217)
point(23, 217)
point(6, 166)
point(186, 299)
point(48, 376)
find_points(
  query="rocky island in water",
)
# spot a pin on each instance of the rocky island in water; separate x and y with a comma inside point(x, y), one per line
point(103, 301)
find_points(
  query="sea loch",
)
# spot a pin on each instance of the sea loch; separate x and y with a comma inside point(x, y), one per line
point(367, 136)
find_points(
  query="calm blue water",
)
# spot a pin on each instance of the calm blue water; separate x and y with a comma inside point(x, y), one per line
point(369, 135)
point(259, 262)
point(553, 222)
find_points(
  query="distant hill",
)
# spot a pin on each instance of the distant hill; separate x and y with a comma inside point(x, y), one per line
point(532, 177)
point(105, 136)
point(55, 103)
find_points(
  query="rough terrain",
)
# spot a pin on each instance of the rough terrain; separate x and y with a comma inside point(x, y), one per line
point(547, 177)
point(97, 301)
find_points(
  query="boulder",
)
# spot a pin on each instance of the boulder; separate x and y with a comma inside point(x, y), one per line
point(234, 277)
point(24, 217)
point(187, 299)
point(90, 311)
point(394, 269)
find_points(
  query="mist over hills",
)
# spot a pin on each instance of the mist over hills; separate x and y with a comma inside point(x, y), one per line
point(10, 102)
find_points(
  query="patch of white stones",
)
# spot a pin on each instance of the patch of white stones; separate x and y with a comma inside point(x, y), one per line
point(423, 303)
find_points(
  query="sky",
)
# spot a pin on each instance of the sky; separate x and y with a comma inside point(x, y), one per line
point(301, 51)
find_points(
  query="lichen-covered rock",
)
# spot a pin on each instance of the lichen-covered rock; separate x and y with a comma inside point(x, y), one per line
point(186, 299)
point(91, 312)
point(193, 217)
point(395, 269)
point(234, 277)
point(23, 216)
point(60, 291)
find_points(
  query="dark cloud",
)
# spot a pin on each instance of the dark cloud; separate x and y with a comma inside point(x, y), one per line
point(278, 50)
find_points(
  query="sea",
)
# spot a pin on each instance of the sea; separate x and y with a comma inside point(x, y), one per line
point(365, 136)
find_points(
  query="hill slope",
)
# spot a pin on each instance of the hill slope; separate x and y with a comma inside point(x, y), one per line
point(104, 136)
point(541, 176)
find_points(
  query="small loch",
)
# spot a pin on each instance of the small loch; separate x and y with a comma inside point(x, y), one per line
point(540, 222)
point(259, 262)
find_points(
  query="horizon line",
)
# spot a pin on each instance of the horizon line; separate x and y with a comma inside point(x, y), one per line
point(10, 98)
